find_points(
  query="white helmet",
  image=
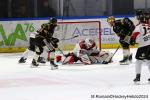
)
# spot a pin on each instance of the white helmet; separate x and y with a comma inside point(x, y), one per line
point(89, 42)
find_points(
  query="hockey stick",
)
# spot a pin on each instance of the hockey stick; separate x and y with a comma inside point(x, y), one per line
point(69, 38)
point(61, 51)
point(50, 46)
point(114, 53)
point(109, 60)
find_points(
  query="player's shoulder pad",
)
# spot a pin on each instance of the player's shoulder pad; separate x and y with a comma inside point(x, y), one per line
point(118, 21)
point(125, 20)
point(45, 25)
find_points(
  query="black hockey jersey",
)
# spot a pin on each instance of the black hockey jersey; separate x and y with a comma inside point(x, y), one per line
point(123, 27)
point(45, 32)
point(49, 27)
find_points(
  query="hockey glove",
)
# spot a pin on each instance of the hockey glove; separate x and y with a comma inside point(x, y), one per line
point(55, 45)
point(55, 40)
point(123, 43)
point(127, 39)
point(132, 42)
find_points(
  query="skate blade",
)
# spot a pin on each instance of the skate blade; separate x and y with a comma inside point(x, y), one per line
point(21, 62)
point(54, 68)
point(130, 62)
point(123, 64)
point(137, 83)
point(42, 62)
point(127, 63)
point(32, 66)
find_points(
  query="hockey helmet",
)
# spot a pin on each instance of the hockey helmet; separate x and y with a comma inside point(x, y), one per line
point(139, 14)
point(89, 42)
point(147, 14)
point(111, 20)
point(53, 20)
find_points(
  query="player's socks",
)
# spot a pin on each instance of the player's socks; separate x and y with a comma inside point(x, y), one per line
point(149, 80)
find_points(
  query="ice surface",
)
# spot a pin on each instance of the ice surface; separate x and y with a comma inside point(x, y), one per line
point(70, 82)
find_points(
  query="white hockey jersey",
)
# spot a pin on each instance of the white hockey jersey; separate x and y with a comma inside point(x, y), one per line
point(82, 46)
point(142, 34)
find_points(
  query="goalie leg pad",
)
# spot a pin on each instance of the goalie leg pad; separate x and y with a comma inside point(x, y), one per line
point(93, 59)
point(85, 59)
point(103, 57)
point(69, 60)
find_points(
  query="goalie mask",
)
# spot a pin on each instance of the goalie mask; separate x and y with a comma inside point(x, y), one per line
point(89, 42)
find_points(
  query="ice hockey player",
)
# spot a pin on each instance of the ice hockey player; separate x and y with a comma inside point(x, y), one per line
point(87, 53)
point(123, 28)
point(45, 33)
point(31, 49)
point(141, 35)
point(143, 16)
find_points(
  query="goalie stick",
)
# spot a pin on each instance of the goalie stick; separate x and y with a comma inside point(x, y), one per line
point(112, 55)
point(109, 60)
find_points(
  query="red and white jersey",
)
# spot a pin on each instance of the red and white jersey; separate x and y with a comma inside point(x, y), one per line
point(82, 45)
point(142, 34)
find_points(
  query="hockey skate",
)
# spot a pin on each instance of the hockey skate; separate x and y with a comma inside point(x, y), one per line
point(105, 62)
point(149, 80)
point(137, 79)
point(130, 58)
point(34, 63)
point(22, 60)
point(125, 61)
point(41, 60)
point(53, 65)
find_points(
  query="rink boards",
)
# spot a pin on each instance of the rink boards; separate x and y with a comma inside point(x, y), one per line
point(14, 33)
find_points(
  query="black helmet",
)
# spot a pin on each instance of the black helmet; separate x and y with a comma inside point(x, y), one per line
point(53, 20)
point(139, 15)
point(139, 12)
